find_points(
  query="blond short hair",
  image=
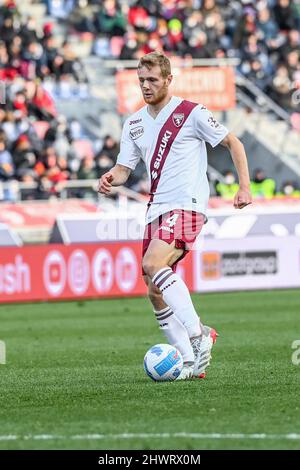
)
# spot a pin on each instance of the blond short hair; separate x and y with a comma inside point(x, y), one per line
point(156, 58)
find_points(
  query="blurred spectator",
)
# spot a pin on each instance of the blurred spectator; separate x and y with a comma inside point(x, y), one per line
point(293, 63)
point(6, 171)
point(292, 44)
point(87, 170)
point(81, 17)
point(138, 16)
point(65, 63)
point(28, 177)
point(103, 163)
point(255, 60)
point(285, 15)
point(175, 41)
point(59, 135)
point(19, 103)
point(130, 47)
point(197, 46)
point(228, 187)
point(110, 19)
point(9, 124)
point(54, 175)
point(245, 27)
point(110, 147)
point(6, 162)
point(52, 180)
point(24, 156)
point(261, 186)
point(290, 189)
point(268, 30)
point(8, 29)
point(39, 101)
point(281, 87)
point(258, 74)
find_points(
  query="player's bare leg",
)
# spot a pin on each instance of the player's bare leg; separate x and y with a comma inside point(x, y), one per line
point(156, 264)
point(154, 294)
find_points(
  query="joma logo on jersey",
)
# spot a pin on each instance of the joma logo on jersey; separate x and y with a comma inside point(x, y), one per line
point(136, 132)
point(135, 122)
point(160, 153)
point(178, 119)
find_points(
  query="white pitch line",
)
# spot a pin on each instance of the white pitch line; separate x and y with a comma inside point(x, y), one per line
point(8, 438)
point(48, 437)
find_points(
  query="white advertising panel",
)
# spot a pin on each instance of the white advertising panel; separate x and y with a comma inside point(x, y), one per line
point(248, 263)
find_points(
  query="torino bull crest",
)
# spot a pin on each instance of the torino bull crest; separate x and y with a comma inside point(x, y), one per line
point(178, 119)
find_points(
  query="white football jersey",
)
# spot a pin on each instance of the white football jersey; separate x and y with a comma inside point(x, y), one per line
point(176, 164)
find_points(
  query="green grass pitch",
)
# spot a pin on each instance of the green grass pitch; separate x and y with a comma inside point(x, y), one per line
point(75, 370)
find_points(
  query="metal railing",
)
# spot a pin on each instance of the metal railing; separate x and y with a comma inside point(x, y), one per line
point(14, 190)
point(258, 98)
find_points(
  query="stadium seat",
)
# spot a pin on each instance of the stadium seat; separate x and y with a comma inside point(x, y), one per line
point(116, 44)
point(40, 128)
point(83, 148)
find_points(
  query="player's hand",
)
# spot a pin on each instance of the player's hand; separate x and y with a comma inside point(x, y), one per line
point(105, 181)
point(242, 198)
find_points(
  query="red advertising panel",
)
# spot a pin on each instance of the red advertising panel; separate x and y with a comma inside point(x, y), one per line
point(213, 87)
point(78, 271)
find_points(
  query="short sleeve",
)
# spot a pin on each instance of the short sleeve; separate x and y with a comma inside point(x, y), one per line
point(129, 152)
point(207, 127)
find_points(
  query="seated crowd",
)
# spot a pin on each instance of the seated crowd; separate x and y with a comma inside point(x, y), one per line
point(39, 145)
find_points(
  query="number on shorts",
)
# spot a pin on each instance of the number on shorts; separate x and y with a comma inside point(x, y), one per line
point(172, 220)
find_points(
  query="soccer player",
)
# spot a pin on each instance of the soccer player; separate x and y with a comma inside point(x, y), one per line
point(169, 134)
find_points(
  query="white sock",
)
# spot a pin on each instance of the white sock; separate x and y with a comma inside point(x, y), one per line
point(176, 294)
point(175, 333)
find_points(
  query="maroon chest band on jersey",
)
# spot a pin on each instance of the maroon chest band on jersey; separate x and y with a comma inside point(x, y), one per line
point(166, 137)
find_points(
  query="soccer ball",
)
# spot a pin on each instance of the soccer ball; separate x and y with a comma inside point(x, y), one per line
point(163, 363)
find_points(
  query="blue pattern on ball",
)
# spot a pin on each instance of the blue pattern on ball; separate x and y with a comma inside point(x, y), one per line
point(156, 350)
point(167, 363)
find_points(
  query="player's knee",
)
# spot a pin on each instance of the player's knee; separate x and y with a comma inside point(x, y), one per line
point(151, 265)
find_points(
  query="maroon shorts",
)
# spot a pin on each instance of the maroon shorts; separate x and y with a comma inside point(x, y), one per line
point(180, 225)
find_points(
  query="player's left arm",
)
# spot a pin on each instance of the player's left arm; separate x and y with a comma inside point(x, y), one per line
point(236, 148)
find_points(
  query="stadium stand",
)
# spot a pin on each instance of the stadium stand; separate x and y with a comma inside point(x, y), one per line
point(54, 54)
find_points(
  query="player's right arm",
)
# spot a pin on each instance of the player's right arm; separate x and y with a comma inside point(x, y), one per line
point(117, 176)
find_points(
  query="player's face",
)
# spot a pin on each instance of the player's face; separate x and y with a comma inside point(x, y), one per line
point(153, 85)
